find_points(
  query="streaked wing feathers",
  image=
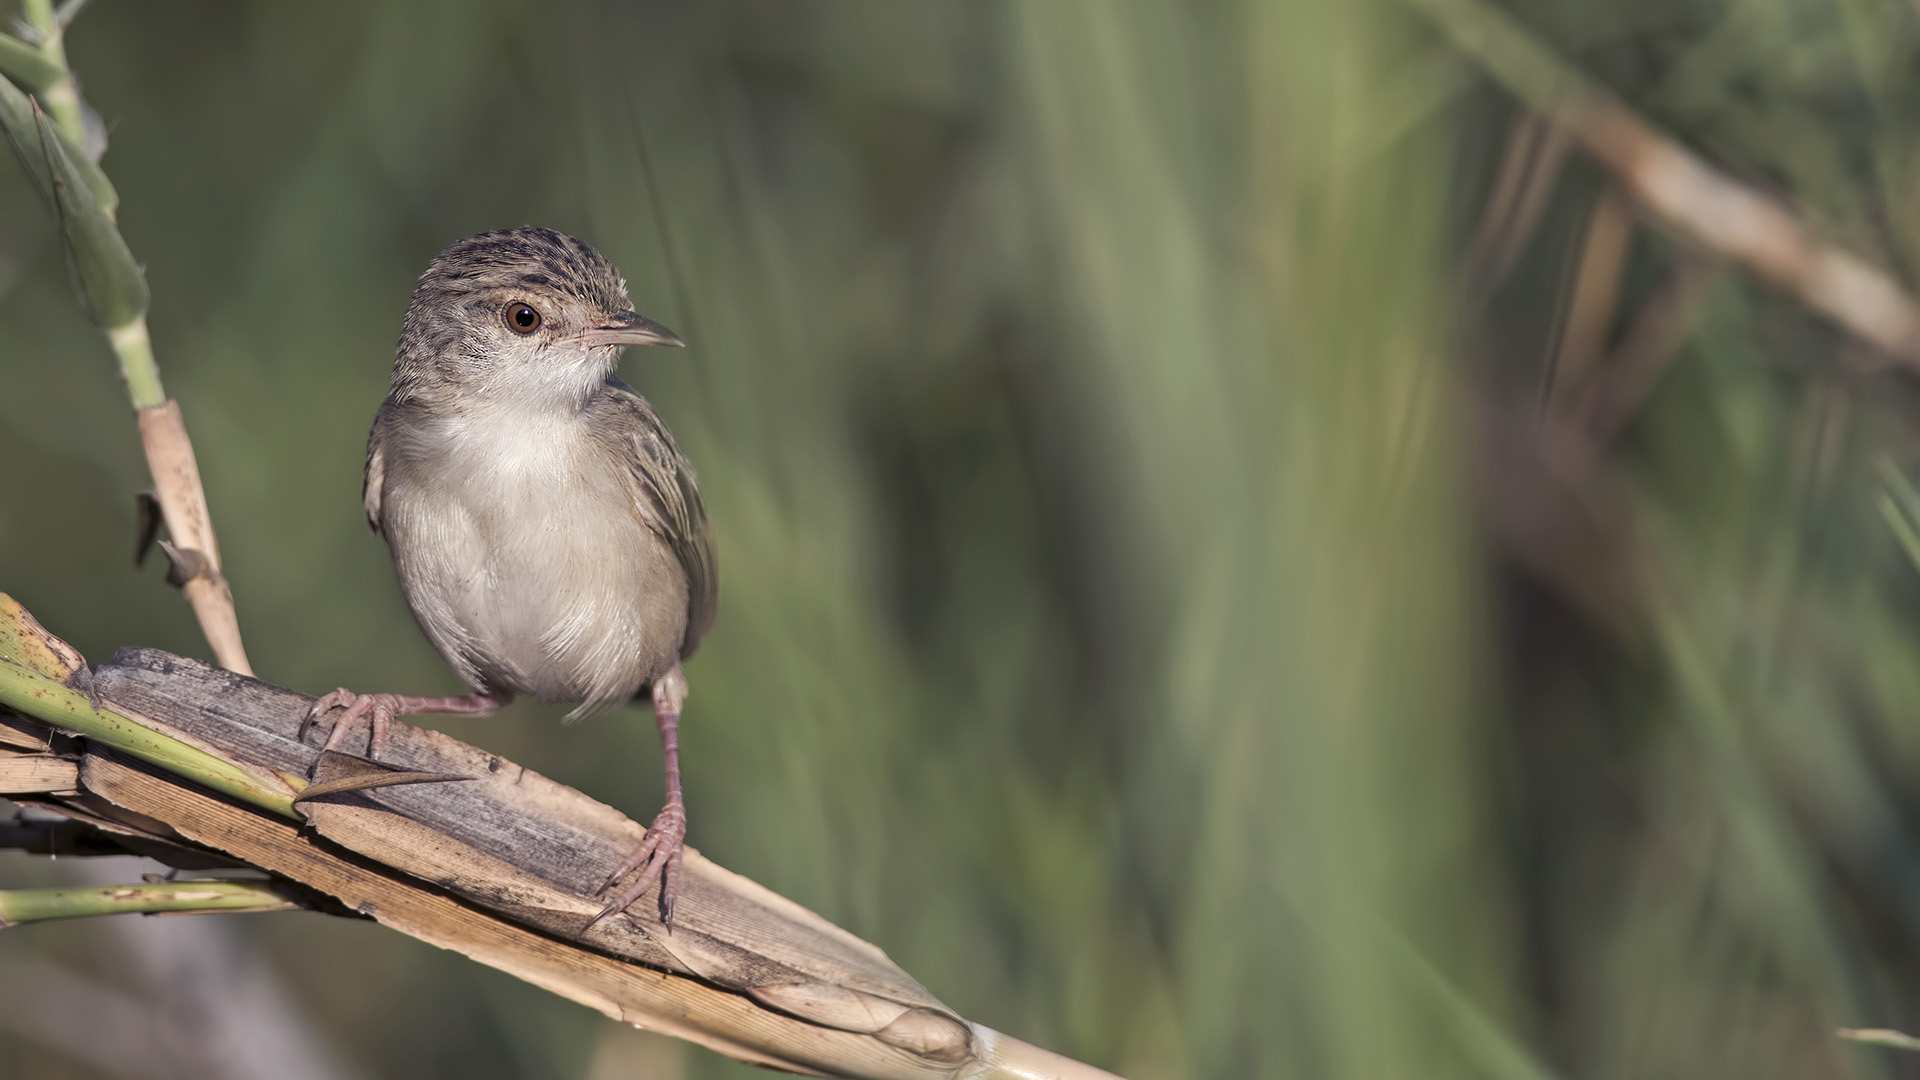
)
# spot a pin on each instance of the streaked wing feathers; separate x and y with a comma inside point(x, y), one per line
point(374, 480)
point(671, 505)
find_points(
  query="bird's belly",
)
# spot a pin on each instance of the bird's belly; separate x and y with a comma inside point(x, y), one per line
point(536, 579)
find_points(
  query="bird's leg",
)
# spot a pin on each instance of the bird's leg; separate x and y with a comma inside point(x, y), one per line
point(384, 707)
point(659, 850)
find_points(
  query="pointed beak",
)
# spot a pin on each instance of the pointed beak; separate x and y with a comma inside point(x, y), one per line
point(628, 328)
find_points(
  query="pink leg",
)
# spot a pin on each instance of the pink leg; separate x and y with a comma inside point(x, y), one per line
point(658, 855)
point(384, 707)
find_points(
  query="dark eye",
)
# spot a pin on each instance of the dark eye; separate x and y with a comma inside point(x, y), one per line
point(521, 318)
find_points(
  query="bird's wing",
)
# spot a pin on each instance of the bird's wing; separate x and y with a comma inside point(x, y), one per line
point(669, 502)
point(373, 484)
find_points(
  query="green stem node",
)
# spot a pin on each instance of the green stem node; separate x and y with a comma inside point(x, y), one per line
point(60, 97)
point(135, 350)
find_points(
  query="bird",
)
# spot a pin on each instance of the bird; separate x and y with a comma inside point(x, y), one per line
point(547, 532)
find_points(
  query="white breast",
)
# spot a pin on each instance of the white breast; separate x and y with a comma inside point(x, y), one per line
point(523, 558)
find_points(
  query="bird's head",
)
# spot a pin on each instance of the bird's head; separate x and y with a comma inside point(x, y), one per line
point(528, 312)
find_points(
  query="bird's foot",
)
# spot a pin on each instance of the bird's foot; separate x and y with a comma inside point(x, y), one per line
point(657, 857)
point(382, 708)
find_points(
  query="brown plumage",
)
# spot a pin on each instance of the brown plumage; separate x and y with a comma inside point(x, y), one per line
point(548, 533)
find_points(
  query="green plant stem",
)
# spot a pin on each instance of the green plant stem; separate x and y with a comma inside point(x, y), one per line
point(32, 694)
point(26, 65)
point(114, 289)
point(41, 905)
point(135, 350)
point(60, 97)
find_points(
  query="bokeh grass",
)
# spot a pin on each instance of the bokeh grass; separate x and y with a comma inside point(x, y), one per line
point(1095, 408)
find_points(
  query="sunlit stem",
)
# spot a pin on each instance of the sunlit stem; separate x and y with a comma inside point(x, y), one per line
point(135, 350)
point(60, 98)
point(41, 905)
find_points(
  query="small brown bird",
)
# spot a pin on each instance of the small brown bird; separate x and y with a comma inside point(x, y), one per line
point(547, 532)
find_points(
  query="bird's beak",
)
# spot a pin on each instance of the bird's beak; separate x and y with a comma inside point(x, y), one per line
point(628, 328)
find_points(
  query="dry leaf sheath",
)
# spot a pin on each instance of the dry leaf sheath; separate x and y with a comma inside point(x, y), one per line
point(501, 866)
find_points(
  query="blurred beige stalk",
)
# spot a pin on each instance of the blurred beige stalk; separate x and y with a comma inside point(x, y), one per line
point(194, 552)
point(1681, 192)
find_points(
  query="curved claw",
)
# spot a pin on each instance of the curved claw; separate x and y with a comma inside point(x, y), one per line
point(657, 857)
point(384, 707)
point(321, 704)
point(381, 707)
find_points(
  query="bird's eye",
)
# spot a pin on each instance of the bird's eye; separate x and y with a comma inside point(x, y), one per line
point(521, 318)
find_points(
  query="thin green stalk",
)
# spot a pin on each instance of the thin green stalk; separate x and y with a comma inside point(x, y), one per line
point(1903, 529)
point(19, 906)
point(1756, 821)
point(113, 287)
point(32, 694)
point(26, 65)
point(60, 97)
point(135, 350)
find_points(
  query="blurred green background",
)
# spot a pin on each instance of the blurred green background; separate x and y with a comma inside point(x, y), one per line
point(1159, 603)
